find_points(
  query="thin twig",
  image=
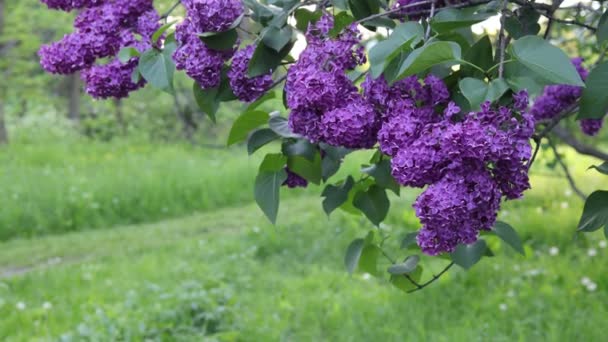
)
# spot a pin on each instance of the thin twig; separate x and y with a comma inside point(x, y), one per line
point(538, 141)
point(568, 22)
point(502, 41)
point(566, 171)
point(394, 10)
point(278, 81)
point(427, 34)
point(432, 280)
point(166, 14)
point(569, 139)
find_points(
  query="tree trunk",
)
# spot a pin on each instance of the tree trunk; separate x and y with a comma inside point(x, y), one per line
point(3, 132)
point(74, 97)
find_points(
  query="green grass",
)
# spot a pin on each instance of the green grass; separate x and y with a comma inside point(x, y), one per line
point(67, 187)
point(228, 275)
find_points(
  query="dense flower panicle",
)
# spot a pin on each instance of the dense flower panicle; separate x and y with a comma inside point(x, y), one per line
point(201, 63)
point(294, 180)
point(468, 161)
point(351, 126)
point(68, 5)
point(213, 15)
point(306, 122)
point(246, 88)
point(591, 127)
point(100, 32)
point(309, 87)
point(72, 53)
point(148, 24)
point(389, 100)
point(111, 80)
point(454, 209)
point(325, 104)
point(557, 98)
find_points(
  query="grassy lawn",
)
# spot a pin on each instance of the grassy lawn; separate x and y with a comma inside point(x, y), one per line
point(228, 275)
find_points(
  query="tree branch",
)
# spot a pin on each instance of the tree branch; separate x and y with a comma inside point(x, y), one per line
point(578, 146)
point(566, 171)
point(170, 10)
point(432, 280)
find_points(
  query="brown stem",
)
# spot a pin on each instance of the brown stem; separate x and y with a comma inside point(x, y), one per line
point(577, 145)
point(432, 280)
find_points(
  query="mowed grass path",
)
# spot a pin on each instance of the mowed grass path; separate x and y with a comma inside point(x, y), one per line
point(227, 275)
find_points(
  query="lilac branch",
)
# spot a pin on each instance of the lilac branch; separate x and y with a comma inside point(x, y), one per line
point(166, 14)
point(432, 280)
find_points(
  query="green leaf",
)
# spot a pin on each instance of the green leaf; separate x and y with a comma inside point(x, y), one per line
point(125, 54)
point(267, 186)
point(427, 56)
point(383, 176)
point(546, 60)
point(265, 59)
point(450, 19)
point(157, 68)
point(259, 138)
point(509, 235)
point(305, 17)
point(373, 203)
point(524, 24)
point(368, 261)
point(353, 254)
point(403, 284)
point(403, 38)
point(300, 147)
point(273, 162)
point(268, 96)
point(363, 8)
point(341, 20)
point(409, 240)
point(479, 54)
point(520, 78)
point(594, 102)
point(309, 170)
point(336, 195)
point(477, 91)
point(277, 38)
point(220, 40)
point(496, 89)
point(332, 160)
point(206, 100)
point(466, 256)
point(602, 29)
point(280, 126)
point(159, 33)
point(595, 212)
point(601, 169)
point(244, 124)
point(474, 90)
point(406, 267)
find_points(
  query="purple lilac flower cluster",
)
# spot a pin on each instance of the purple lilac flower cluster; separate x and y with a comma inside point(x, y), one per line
point(413, 11)
point(102, 29)
point(247, 88)
point(68, 5)
point(325, 104)
point(294, 180)
point(557, 98)
point(200, 62)
point(468, 161)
